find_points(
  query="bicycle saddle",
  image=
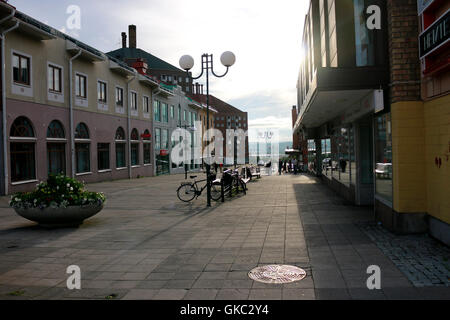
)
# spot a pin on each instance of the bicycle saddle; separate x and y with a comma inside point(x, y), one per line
point(193, 177)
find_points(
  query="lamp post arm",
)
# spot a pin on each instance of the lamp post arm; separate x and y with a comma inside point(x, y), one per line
point(220, 76)
point(196, 78)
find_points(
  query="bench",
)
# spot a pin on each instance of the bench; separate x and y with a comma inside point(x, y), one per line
point(256, 172)
point(383, 170)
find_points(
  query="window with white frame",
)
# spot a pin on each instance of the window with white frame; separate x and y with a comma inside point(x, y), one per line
point(119, 96)
point(146, 106)
point(54, 78)
point(21, 69)
point(102, 91)
point(134, 101)
point(80, 86)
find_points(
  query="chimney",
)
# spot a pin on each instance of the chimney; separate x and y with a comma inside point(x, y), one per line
point(294, 115)
point(132, 35)
point(141, 66)
point(124, 39)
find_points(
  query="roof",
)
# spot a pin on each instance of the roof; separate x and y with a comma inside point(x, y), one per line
point(219, 105)
point(136, 53)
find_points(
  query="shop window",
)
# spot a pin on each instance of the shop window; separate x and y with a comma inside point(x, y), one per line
point(103, 156)
point(82, 149)
point(56, 155)
point(120, 140)
point(135, 154)
point(157, 139)
point(82, 153)
point(147, 147)
point(326, 157)
point(22, 151)
point(383, 157)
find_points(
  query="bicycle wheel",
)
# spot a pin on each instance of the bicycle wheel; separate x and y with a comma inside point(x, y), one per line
point(243, 186)
point(216, 194)
point(186, 192)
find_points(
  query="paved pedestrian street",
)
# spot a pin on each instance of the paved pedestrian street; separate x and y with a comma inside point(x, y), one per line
point(146, 244)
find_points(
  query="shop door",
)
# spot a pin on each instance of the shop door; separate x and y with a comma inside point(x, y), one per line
point(162, 165)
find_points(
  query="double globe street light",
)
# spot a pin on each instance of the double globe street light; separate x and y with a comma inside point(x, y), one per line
point(187, 63)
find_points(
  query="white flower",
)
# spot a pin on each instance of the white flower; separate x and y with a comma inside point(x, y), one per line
point(17, 199)
point(71, 189)
point(57, 187)
point(35, 200)
point(68, 185)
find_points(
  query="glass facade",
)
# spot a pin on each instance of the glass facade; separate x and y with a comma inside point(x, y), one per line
point(338, 155)
point(326, 157)
point(383, 157)
point(364, 39)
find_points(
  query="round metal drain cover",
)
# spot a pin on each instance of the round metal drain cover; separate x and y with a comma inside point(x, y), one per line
point(277, 274)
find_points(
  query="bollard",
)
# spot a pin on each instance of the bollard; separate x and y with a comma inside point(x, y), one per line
point(222, 194)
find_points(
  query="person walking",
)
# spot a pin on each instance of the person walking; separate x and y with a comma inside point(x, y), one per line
point(294, 164)
point(280, 166)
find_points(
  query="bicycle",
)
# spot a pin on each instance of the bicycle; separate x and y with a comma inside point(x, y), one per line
point(231, 180)
point(190, 191)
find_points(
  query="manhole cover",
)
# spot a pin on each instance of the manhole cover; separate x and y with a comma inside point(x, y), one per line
point(277, 274)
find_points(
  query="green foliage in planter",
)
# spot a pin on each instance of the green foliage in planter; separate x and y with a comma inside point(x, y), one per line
point(58, 191)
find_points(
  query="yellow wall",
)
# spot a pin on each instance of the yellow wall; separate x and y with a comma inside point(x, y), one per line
point(437, 138)
point(420, 134)
point(408, 149)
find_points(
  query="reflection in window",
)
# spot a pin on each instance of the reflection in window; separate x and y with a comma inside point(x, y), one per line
point(56, 155)
point(22, 153)
point(82, 155)
point(364, 38)
point(103, 156)
point(383, 157)
point(326, 157)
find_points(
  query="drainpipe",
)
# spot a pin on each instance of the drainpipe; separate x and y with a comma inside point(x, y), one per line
point(154, 93)
point(72, 134)
point(129, 123)
point(4, 118)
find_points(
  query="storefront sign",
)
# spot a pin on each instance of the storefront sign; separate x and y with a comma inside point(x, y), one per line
point(435, 36)
point(164, 153)
point(372, 103)
point(422, 5)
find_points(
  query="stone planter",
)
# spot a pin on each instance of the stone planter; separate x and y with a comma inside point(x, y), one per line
point(72, 216)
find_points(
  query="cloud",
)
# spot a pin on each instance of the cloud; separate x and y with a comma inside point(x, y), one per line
point(264, 35)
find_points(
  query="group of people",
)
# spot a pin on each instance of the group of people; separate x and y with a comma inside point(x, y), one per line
point(290, 166)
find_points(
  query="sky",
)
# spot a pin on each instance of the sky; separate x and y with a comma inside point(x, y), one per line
point(264, 35)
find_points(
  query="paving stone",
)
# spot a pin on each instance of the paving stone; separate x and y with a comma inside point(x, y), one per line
point(140, 294)
point(233, 294)
point(201, 294)
point(265, 294)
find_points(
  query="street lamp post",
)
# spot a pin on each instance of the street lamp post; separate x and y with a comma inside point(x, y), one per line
point(187, 63)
